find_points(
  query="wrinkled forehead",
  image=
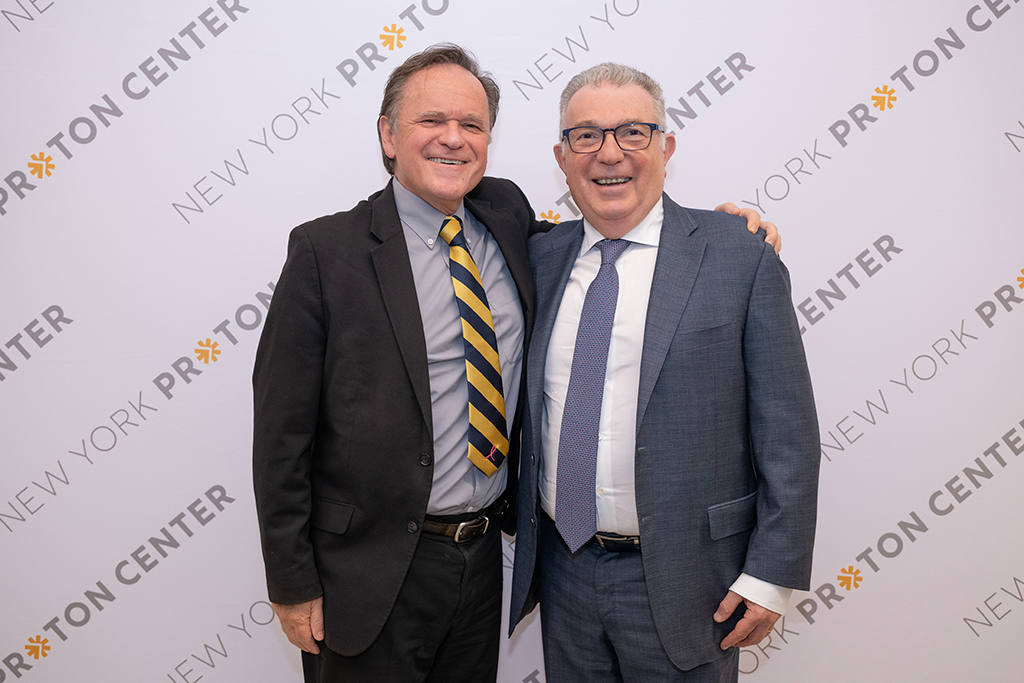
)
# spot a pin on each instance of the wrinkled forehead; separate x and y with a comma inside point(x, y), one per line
point(444, 88)
point(607, 105)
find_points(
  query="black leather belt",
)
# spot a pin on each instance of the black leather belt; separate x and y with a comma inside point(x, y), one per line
point(616, 543)
point(464, 530)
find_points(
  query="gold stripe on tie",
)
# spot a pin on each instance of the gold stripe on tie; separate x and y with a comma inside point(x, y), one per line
point(481, 461)
point(488, 441)
point(485, 350)
point(470, 298)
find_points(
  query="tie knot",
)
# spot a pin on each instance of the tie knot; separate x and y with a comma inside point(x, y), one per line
point(611, 250)
point(451, 232)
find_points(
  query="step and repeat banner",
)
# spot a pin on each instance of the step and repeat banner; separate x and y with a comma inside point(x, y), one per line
point(155, 155)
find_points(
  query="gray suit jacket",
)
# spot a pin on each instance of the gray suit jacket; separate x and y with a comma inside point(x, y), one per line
point(727, 448)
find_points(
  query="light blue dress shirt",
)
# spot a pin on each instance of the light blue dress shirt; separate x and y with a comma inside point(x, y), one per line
point(458, 486)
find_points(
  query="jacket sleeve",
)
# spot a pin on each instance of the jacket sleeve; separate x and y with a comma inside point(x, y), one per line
point(286, 394)
point(783, 431)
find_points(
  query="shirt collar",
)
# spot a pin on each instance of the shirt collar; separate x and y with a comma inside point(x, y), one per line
point(648, 232)
point(421, 218)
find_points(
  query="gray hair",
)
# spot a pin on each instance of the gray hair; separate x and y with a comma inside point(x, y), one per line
point(435, 55)
point(610, 73)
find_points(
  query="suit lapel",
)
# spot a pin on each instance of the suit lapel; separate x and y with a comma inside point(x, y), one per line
point(552, 259)
point(398, 289)
point(511, 239)
point(679, 256)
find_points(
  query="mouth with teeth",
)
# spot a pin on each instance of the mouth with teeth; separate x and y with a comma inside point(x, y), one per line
point(611, 181)
point(450, 162)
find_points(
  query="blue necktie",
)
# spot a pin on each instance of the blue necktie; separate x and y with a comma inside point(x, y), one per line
point(575, 505)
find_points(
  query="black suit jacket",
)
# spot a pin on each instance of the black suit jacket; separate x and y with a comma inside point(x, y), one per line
point(343, 445)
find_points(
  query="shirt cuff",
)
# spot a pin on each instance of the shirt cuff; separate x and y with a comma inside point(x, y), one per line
point(765, 594)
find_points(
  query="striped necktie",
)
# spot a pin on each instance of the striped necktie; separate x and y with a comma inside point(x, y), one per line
point(488, 443)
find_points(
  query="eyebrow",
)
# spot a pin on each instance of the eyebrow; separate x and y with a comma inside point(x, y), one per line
point(443, 115)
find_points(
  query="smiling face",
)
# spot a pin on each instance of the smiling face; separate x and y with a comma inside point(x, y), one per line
point(615, 190)
point(439, 141)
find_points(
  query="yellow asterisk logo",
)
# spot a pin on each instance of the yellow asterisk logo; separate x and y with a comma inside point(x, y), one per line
point(1021, 279)
point(207, 351)
point(37, 647)
point(41, 163)
point(551, 216)
point(849, 577)
point(884, 99)
point(392, 37)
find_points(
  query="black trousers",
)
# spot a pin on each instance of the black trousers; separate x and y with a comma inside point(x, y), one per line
point(445, 626)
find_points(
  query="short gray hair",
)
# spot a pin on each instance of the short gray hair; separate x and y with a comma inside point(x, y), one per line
point(610, 73)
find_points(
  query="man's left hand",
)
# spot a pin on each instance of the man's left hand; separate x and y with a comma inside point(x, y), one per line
point(752, 628)
point(754, 222)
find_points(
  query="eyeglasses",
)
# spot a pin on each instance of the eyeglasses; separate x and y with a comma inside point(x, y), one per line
point(631, 137)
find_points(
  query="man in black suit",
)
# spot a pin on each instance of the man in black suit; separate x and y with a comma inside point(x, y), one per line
point(379, 508)
point(381, 537)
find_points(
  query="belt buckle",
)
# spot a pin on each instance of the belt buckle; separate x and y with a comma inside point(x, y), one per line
point(470, 525)
point(601, 538)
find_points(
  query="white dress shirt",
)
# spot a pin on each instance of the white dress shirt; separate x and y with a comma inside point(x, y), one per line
point(615, 490)
point(615, 497)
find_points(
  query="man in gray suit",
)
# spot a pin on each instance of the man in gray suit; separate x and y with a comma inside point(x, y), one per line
point(670, 446)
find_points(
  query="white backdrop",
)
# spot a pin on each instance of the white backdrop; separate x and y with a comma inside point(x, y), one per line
point(155, 155)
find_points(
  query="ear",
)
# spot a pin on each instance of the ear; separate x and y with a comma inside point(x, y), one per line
point(386, 136)
point(670, 146)
point(559, 150)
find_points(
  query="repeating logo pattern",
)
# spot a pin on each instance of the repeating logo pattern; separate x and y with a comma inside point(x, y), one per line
point(600, 29)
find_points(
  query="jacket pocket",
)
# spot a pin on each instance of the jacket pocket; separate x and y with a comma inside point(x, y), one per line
point(332, 516)
point(698, 339)
point(732, 517)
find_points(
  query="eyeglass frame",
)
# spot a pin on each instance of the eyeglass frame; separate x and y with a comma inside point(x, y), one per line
point(604, 134)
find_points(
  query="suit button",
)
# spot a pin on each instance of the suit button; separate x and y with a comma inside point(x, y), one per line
point(533, 459)
point(425, 459)
point(533, 522)
point(411, 527)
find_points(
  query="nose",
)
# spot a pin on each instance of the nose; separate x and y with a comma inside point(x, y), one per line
point(610, 152)
point(451, 135)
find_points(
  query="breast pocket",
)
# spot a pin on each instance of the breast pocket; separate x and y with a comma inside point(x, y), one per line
point(688, 342)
